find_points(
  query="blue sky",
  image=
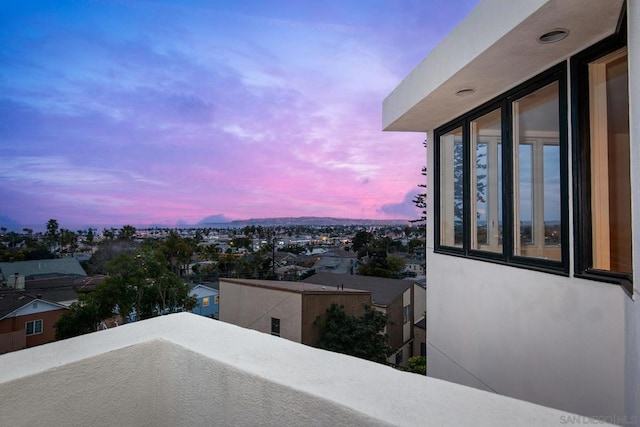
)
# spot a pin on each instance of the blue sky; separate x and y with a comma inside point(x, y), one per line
point(139, 112)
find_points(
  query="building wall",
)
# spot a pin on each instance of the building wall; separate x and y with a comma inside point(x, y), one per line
point(407, 326)
point(559, 341)
point(253, 307)
point(12, 341)
point(419, 302)
point(544, 338)
point(632, 310)
point(314, 306)
point(48, 318)
point(395, 324)
point(419, 338)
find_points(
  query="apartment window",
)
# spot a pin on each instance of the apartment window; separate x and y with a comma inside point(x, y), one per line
point(501, 178)
point(205, 302)
point(602, 183)
point(34, 327)
point(406, 313)
point(399, 357)
point(275, 326)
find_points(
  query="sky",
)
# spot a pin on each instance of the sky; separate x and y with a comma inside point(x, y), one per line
point(168, 112)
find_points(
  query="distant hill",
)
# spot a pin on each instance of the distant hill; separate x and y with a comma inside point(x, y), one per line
point(305, 221)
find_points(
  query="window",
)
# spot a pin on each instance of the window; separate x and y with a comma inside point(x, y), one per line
point(406, 313)
point(34, 327)
point(500, 182)
point(602, 183)
point(216, 299)
point(275, 326)
point(399, 357)
point(205, 302)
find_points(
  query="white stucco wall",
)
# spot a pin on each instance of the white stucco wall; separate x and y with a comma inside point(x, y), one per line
point(632, 308)
point(544, 338)
point(184, 369)
point(560, 341)
point(253, 307)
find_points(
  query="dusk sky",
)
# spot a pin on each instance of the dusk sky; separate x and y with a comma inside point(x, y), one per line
point(163, 112)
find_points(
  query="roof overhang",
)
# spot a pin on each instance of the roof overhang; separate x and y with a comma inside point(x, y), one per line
point(494, 49)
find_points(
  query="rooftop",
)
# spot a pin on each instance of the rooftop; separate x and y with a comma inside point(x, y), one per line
point(161, 372)
point(383, 291)
point(298, 287)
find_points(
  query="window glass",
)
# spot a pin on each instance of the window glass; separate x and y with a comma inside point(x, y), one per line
point(38, 327)
point(610, 163)
point(486, 176)
point(537, 196)
point(205, 302)
point(275, 326)
point(451, 179)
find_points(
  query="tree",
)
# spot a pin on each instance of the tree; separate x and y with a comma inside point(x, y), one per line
point(140, 283)
point(389, 266)
point(127, 232)
point(90, 236)
point(356, 336)
point(417, 365)
point(361, 239)
point(51, 236)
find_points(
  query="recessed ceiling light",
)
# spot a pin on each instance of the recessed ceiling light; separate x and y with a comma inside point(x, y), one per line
point(465, 92)
point(554, 35)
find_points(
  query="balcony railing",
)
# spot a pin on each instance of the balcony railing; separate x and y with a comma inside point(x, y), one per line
point(184, 369)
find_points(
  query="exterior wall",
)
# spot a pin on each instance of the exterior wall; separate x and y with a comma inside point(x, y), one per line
point(407, 326)
point(223, 380)
point(558, 341)
point(12, 341)
point(395, 325)
point(552, 340)
point(212, 310)
point(314, 306)
point(419, 302)
point(419, 338)
point(632, 308)
point(48, 334)
point(253, 307)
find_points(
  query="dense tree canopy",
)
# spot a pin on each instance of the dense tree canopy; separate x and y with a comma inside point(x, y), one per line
point(356, 336)
point(140, 283)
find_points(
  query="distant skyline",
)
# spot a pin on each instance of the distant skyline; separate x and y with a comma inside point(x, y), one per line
point(167, 112)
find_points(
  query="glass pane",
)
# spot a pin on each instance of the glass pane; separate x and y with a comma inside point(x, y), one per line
point(486, 164)
point(38, 327)
point(537, 222)
point(610, 163)
point(451, 181)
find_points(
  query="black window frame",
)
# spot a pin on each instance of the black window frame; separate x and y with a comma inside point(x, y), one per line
point(581, 157)
point(556, 74)
point(275, 326)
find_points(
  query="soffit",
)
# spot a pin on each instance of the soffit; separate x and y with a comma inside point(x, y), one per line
point(492, 56)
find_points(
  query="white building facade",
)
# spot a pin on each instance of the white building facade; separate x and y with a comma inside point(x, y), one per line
point(532, 119)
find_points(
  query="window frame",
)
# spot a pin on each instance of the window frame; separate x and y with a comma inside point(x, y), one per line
point(581, 157)
point(34, 323)
point(555, 74)
point(275, 322)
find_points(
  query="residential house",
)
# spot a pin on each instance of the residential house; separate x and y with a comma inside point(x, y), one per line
point(532, 124)
point(26, 321)
point(337, 261)
point(40, 269)
point(285, 309)
point(208, 302)
point(394, 297)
